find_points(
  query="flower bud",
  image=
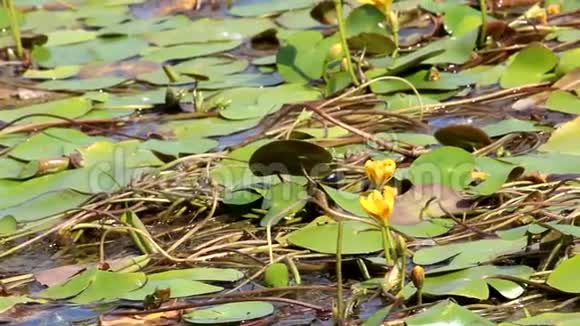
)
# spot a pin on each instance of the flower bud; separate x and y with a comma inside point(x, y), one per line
point(418, 276)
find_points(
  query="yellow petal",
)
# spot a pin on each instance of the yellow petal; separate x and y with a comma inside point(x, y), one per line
point(380, 172)
point(389, 194)
point(373, 204)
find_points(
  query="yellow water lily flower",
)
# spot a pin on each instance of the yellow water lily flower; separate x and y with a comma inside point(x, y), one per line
point(379, 205)
point(379, 172)
point(382, 5)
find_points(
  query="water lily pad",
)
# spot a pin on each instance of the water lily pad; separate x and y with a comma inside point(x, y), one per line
point(276, 275)
point(60, 72)
point(241, 80)
point(457, 49)
point(200, 128)
point(203, 274)
point(569, 61)
point(562, 101)
point(141, 26)
point(230, 313)
point(447, 166)
point(473, 282)
point(262, 8)
point(31, 208)
point(72, 107)
point(529, 66)
point(461, 19)
point(6, 303)
point(290, 157)
point(283, 200)
point(298, 19)
point(8, 225)
point(498, 172)
point(446, 313)
point(468, 254)
point(126, 154)
point(564, 139)
point(189, 51)
point(64, 37)
point(302, 58)
point(549, 318)
point(420, 80)
point(563, 279)
point(207, 30)
point(51, 143)
point(12, 169)
point(358, 238)
point(509, 126)
point(548, 163)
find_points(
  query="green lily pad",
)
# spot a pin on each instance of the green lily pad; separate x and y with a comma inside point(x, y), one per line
point(529, 66)
point(201, 128)
point(302, 58)
point(569, 61)
point(298, 19)
point(148, 25)
point(12, 169)
point(457, 49)
point(461, 19)
point(283, 200)
point(473, 282)
point(47, 204)
point(547, 163)
point(8, 225)
point(206, 30)
point(521, 231)
point(469, 253)
point(189, 51)
point(71, 108)
point(358, 238)
point(247, 8)
point(447, 166)
point(447, 313)
point(230, 313)
point(6, 303)
point(564, 139)
point(64, 37)
point(128, 152)
point(420, 80)
point(509, 126)
point(562, 101)
point(498, 172)
point(276, 275)
point(549, 318)
point(563, 279)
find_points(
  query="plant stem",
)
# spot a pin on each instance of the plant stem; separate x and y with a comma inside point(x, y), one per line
point(345, 49)
point(419, 297)
point(339, 290)
point(14, 27)
point(387, 245)
point(483, 8)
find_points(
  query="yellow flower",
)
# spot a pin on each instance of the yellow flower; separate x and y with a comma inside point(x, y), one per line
point(382, 5)
point(379, 205)
point(553, 9)
point(379, 172)
point(418, 276)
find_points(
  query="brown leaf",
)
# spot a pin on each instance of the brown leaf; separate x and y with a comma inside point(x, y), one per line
point(158, 8)
point(58, 275)
point(127, 69)
point(154, 319)
point(422, 202)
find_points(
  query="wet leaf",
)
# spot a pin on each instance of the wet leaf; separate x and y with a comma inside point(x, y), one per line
point(302, 58)
point(11, 169)
point(57, 275)
point(468, 254)
point(203, 274)
point(373, 43)
point(473, 282)
point(447, 166)
point(200, 128)
point(365, 19)
point(263, 8)
point(529, 66)
point(47, 204)
point(547, 163)
point(467, 137)
point(447, 312)
point(60, 72)
point(569, 61)
point(290, 157)
point(283, 200)
point(276, 275)
point(241, 80)
point(563, 277)
point(230, 312)
point(8, 225)
point(358, 238)
point(126, 154)
point(189, 51)
point(457, 49)
point(562, 101)
point(564, 139)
